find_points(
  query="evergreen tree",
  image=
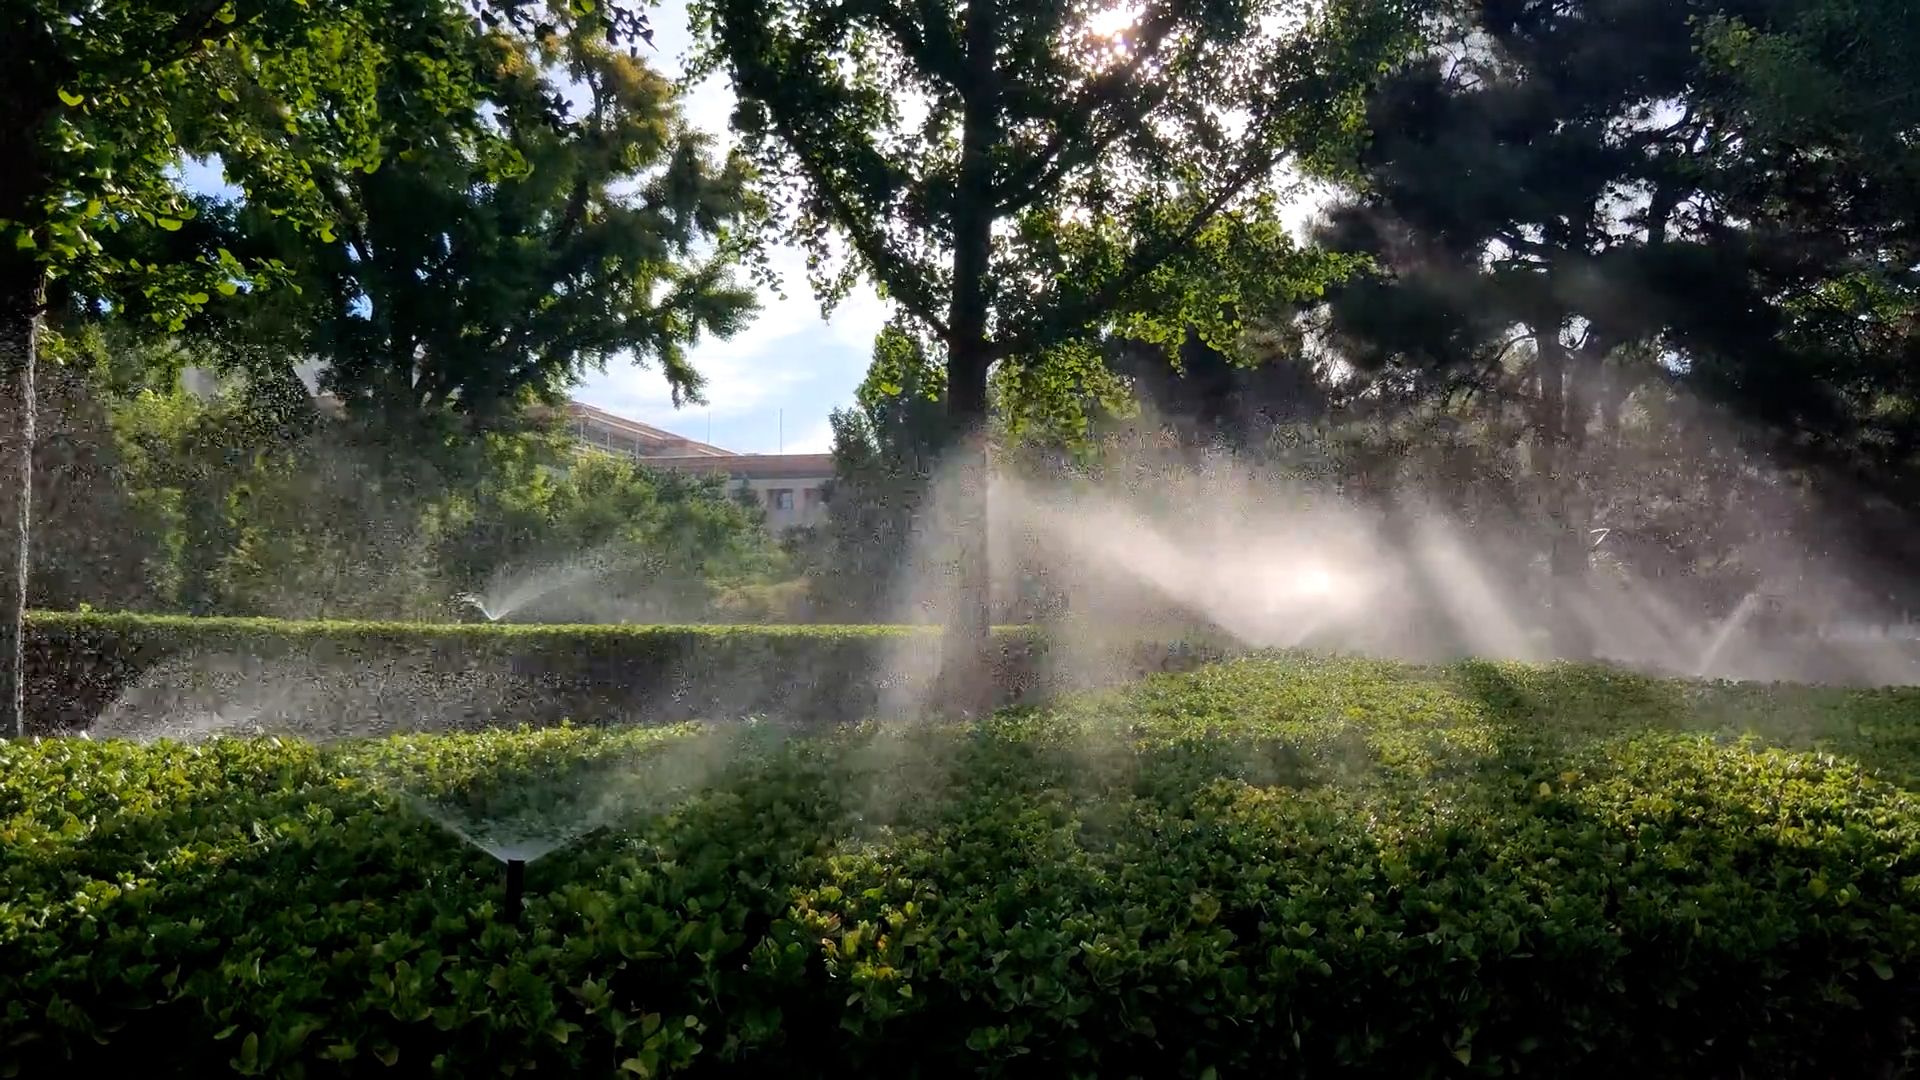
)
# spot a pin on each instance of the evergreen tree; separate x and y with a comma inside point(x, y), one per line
point(1542, 214)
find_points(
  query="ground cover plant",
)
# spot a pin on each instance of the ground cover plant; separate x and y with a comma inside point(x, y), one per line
point(1276, 865)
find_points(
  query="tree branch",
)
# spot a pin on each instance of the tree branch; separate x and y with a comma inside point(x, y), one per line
point(577, 199)
point(175, 45)
point(929, 41)
point(1052, 162)
point(1146, 260)
point(871, 245)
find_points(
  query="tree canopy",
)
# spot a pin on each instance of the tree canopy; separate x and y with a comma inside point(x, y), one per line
point(1021, 178)
point(563, 217)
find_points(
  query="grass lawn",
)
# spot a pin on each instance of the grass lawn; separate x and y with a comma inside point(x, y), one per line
point(1276, 865)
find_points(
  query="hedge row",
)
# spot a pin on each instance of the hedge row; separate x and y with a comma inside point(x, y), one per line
point(1266, 868)
point(378, 677)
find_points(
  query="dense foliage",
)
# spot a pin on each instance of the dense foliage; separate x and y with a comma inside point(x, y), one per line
point(118, 673)
point(886, 448)
point(1595, 215)
point(562, 217)
point(1274, 866)
point(249, 501)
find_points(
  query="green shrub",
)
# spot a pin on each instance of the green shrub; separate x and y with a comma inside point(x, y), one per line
point(1267, 867)
point(79, 664)
point(779, 602)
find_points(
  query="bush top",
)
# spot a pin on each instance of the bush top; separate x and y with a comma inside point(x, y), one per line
point(1273, 866)
point(131, 623)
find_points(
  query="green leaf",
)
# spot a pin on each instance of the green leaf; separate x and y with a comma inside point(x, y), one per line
point(72, 100)
point(227, 288)
point(170, 224)
point(1882, 969)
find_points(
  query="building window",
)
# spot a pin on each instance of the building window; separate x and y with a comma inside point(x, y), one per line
point(780, 498)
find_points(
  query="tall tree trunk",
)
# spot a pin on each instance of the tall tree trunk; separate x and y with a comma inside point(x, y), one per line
point(969, 674)
point(22, 292)
point(1567, 549)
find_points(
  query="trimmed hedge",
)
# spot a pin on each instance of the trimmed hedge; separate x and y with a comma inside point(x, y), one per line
point(80, 664)
point(1269, 867)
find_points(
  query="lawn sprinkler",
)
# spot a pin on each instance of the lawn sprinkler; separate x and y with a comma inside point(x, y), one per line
point(516, 889)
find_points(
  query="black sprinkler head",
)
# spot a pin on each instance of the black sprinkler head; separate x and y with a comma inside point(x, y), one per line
point(516, 888)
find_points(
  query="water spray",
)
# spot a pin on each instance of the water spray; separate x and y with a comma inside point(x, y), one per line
point(477, 604)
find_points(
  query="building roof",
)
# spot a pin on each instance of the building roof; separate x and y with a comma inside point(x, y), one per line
point(656, 440)
point(749, 466)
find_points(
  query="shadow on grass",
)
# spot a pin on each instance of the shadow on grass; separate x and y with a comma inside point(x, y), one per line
point(1535, 707)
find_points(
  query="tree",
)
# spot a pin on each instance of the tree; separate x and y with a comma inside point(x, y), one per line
point(1839, 75)
point(1022, 177)
point(1212, 398)
point(95, 540)
point(884, 452)
point(516, 241)
point(89, 96)
point(1543, 209)
point(91, 102)
point(97, 103)
point(1825, 98)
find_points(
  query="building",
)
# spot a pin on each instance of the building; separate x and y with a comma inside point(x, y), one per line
point(790, 487)
point(602, 430)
